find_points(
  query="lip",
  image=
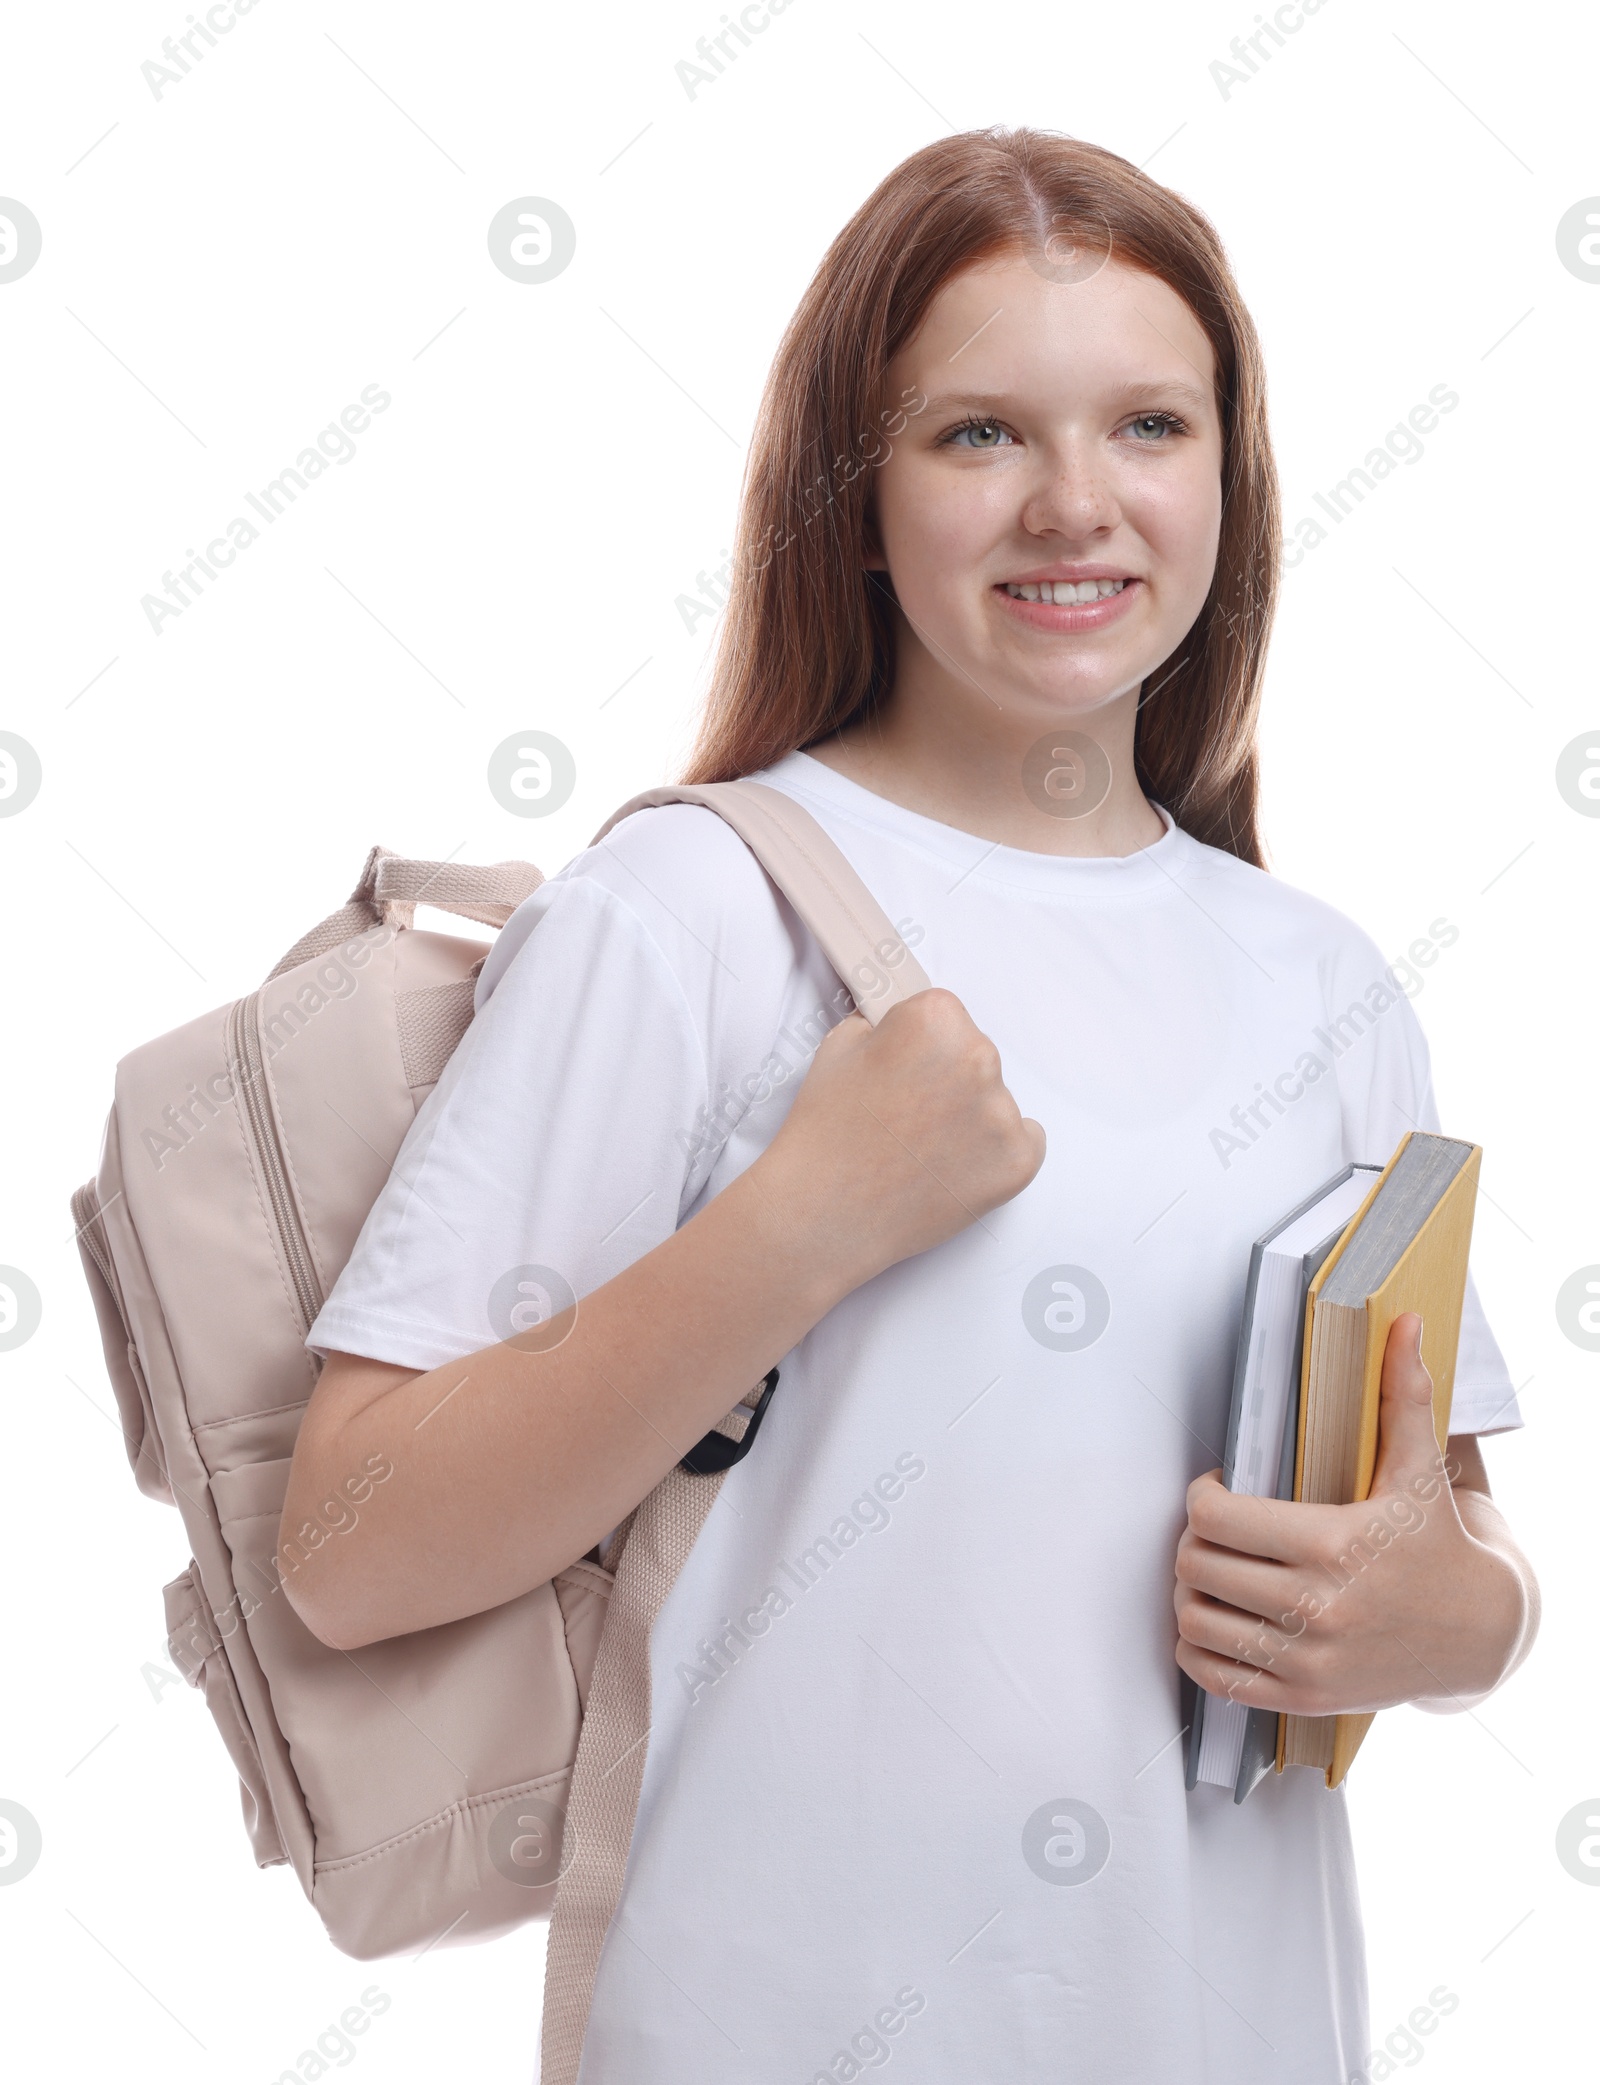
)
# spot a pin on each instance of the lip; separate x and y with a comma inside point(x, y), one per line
point(1073, 615)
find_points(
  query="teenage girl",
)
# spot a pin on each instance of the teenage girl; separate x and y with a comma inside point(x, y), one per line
point(1006, 566)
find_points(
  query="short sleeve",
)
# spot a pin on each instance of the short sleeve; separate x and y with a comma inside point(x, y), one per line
point(553, 1152)
point(1386, 1088)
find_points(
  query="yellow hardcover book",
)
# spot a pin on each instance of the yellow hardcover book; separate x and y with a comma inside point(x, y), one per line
point(1404, 1249)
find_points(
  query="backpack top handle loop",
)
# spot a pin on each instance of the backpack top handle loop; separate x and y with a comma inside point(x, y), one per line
point(489, 895)
point(391, 886)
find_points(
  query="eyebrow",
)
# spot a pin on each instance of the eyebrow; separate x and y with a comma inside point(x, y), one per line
point(1133, 388)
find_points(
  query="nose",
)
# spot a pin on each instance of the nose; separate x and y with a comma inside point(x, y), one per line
point(1073, 495)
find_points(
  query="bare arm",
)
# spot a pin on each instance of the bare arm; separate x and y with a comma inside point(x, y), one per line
point(506, 1466)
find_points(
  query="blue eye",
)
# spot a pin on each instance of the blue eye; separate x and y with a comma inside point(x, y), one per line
point(1168, 422)
point(987, 433)
point(975, 425)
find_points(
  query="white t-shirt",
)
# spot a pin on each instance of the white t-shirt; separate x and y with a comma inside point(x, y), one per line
point(915, 1785)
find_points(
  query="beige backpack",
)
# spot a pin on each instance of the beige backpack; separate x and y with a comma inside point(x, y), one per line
point(443, 1786)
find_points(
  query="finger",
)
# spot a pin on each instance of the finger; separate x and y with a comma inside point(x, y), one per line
point(1247, 1582)
point(1282, 1530)
point(1408, 1447)
point(1230, 1632)
point(1229, 1679)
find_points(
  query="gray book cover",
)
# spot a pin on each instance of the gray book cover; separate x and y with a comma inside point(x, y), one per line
point(1260, 1751)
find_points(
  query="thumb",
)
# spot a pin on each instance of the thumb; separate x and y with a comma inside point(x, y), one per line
point(1408, 1447)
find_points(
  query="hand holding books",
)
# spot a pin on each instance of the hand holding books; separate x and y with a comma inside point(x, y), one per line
point(1364, 1605)
point(1327, 1572)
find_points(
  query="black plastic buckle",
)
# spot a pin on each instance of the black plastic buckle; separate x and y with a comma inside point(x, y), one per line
point(720, 1451)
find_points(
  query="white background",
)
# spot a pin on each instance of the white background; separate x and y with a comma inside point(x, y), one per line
point(304, 214)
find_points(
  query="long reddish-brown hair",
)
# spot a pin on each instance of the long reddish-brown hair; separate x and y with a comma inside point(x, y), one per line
point(807, 641)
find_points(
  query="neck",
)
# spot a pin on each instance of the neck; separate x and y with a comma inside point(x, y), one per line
point(955, 755)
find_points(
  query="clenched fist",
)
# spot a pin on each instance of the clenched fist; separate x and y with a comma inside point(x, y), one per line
point(902, 1135)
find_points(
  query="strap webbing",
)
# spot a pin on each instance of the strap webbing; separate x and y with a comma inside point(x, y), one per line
point(603, 1794)
point(489, 894)
point(851, 927)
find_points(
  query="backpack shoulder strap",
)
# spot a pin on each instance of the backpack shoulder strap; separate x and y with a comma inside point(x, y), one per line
point(603, 1795)
point(852, 928)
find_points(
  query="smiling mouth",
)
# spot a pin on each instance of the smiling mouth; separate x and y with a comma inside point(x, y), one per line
point(1066, 592)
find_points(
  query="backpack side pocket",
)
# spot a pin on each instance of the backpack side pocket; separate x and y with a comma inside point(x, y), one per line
point(134, 1407)
point(198, 1651)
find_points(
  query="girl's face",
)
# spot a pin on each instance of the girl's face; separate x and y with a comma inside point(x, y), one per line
point(1070, 433)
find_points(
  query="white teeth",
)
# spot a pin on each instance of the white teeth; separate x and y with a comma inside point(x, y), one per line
point(1063, 591)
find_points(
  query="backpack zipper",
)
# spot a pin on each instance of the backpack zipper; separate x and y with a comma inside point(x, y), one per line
point(247, 1065)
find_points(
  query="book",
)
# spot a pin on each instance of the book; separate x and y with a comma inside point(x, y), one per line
point(1230, 1743)
point(1405, 1250)
point(1404, 1247)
